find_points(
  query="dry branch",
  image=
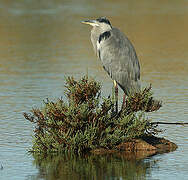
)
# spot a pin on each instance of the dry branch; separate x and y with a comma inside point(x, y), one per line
point(170, 123)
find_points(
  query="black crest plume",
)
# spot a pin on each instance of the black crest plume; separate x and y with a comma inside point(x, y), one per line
point(104, 20)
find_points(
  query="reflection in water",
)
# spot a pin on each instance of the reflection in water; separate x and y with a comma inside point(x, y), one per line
point(98, 167)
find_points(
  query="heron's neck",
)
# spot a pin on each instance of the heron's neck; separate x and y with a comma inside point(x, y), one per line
point(95, 34)
point(105, 29)
point(100, 30)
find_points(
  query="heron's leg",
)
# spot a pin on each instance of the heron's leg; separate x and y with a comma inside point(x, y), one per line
point(113, 99)
point(116, 95)
point(124, 99)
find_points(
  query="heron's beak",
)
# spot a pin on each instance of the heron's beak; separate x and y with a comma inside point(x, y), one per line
point(90, 22)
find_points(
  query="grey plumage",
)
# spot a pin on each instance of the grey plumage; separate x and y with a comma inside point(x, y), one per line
point(117, 54)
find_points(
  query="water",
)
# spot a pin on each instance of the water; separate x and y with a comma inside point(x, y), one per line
point(41, 42)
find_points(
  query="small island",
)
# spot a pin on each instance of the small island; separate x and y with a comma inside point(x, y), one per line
point(88, 122)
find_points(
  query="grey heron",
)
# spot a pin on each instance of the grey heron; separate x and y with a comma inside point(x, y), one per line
point(117, 54)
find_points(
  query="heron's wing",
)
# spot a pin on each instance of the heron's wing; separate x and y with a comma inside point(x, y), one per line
point(120, 60)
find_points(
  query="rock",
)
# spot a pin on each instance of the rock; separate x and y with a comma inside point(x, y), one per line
point(140, 148)
point(134, 145)
point(162, 145)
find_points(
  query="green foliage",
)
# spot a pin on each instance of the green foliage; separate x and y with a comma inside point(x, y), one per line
point(86, 122)
point(82, 91)
point(142, 101)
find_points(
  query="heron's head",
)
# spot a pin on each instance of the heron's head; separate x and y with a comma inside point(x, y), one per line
point(102, 23)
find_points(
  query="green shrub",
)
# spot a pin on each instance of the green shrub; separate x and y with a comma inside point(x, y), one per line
point(86, 122)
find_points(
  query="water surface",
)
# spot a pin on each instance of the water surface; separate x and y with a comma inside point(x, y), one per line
point(41, 42)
